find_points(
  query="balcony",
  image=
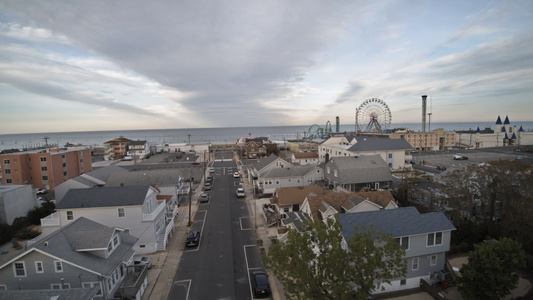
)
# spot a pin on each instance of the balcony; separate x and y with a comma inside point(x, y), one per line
point(51, 220)
point(155, 213)
point(132, 283)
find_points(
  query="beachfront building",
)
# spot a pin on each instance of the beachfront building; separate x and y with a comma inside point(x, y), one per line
point(46, 168)
point(437, 139)
point(138, 149)
point(120, 146)
point(356, 172)
point(504, 134)
point(395, 152)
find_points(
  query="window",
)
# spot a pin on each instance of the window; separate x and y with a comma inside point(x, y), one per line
point(43, 158)
point(20, 269)
point(7, 171)
point(65, 173)
point(403, 282)
point(328, 170)
point(115, 241)
point(434, 239)
point(415, 264)
point(44, 168)
point(45, 178)
point(403, 241)
point(121, 213)
point(39, 267)
point(335, 173)
point(390, 155)
point(14, 160)
point(6, 161)
point(58, 265)
point(70, 215)
point(8, 180)
point(433, 260)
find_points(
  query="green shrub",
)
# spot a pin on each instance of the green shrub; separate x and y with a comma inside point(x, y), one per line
point(26, 234)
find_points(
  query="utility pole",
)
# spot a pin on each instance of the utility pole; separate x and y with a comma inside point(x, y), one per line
point(189, 139)
point(190, 195)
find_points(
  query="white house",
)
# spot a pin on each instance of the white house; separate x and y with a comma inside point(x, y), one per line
point(395, 152)
point(304, 158)
point(138, 149)
point(273, 172)
point(16, 201)
point(136, 209)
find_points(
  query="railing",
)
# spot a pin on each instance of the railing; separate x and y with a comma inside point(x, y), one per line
point(133, 281)
point(51, 220)
point(152, 216)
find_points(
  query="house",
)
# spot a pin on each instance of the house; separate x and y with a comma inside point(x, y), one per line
point(320, 206)
point(356, 172)
point(289, 199)
point(16, 201)
point(395, 152)
point(81, 255)
point(133, 208)
point(425, 237)
point(46, 168)
point(304, 158)
point(168, 181)
point(95, 178)
point(138, 149)
point(120, 146)
point(273, 172)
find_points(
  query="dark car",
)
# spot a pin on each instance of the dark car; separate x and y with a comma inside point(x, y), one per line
point(193, 238)
point(209, 179)
point(260, 283)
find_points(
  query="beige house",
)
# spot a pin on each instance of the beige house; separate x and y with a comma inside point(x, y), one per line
point(304, 158)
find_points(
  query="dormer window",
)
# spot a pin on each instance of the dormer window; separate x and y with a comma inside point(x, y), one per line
point(113, 244)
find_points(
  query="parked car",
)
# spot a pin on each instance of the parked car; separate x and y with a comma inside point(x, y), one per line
point(209, 179)
point(41, 191)
point(240, 192)
point(204, 197)
point(212, 170)
point(137, 260)
point(236, 175)
point(207, 186)
point(459, 156)
point(441, 168)
point(259, 281)
point(193, 238)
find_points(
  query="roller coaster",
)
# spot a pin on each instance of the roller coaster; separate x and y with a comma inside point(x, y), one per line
point(317, 132)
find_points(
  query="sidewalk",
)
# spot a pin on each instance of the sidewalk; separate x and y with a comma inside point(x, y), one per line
point(165, 263)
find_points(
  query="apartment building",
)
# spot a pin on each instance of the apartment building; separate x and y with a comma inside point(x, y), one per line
point(44, 168)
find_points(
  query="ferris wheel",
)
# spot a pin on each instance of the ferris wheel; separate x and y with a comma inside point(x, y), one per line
point(373, 116)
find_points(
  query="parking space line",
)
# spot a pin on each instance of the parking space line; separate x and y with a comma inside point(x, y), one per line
point(201, 233)
point(189, 281)
point(240, 221)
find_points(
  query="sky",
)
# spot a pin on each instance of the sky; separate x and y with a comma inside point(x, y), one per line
point(118, 65)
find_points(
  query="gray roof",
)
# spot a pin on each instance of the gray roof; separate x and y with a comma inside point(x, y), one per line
point(66, 294)
point(136, 143)
point(145, 177)
point(63, 243)
point(296, 171)
point(265, 162)
point(297, 218)
point(360, 169)
point(104, 197)
point(377, 143)
point(403, 221)
point(103, 173)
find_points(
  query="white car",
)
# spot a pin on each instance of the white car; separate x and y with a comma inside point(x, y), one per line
point(240, 192)
point(41, 191)
point(236, 175)
point(138, 260)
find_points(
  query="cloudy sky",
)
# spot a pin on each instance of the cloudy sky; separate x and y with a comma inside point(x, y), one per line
point(114, 65)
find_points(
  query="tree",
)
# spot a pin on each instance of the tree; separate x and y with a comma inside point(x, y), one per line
point(316, 265)
point(490, 272)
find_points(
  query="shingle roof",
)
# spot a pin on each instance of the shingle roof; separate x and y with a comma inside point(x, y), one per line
point(375, 143)
point(144, 177)
point(297, 218)
point(66, 294)
point(295, 171)
point(104, 197)
point(403, 221)
point(64, 242)
point(265, 162)
point(361, 169)
point(137, 143)
point(302, 155)
point(295, 195)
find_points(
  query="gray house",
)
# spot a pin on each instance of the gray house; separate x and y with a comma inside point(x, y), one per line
point(425, 237)
point(82, 255)
point(356, 172)
point(15, 201)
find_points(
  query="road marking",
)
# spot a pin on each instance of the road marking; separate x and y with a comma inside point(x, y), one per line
point(240, 221)
point(188, 286)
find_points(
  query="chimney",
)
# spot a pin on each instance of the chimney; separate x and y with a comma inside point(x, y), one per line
point(424, 97)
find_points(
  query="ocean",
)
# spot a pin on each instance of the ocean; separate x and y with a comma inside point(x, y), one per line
point(213, 135)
